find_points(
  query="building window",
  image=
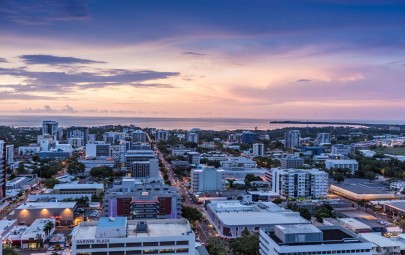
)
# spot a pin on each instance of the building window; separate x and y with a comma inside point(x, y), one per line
point(167, 251)
point(134, 244)
point(150, 252)
point(150, 244)
point(182, 242)
point(133, 252)
point(113, 245)
point(83, 246)
point(167, 243)
point(99, 246)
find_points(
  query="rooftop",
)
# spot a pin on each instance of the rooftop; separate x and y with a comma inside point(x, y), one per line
point(156, 228)
point(112, 222)
point(299, 229)
point(79, 186)
point(46, 205)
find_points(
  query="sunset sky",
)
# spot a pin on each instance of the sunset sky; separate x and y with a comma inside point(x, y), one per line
point(275, 59)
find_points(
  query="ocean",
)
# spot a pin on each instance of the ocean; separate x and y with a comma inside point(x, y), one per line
point(160, 123)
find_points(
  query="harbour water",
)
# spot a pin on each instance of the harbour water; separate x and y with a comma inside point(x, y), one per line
point(161, 123)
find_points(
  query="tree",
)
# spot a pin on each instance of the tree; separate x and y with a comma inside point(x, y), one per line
point(278, 201)
point(75, 167)
point(247, 244)
point(216, 246)
point(251, 177)
point(191, 214)
point(48, 228)
point(10, 251)
point(370, 176)
point(339, 177)
point(101, 172)
point(324, 211)
point(304, 212)
point(50, 183)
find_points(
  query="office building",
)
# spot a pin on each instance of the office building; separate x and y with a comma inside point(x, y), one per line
point(113, 137)
point(3, 164)
point(145, 169)
point(230, 218)
point(77, 134)
point(28, 150)
point(94, 150)
point(293, 183)
point(291, 162)
point(238, 163)
point(207, 179)
point(50, 128)
point(137, 146)
point(248, 137)
point(10, 153)
point(350, 164)
point(162, 135)
point(192, 137)
point(308, 240)
point(193, 158)
point(28, 212)
point(341, 149)
point(322, 138)
point(258, 149)
point(139, 136)
point(138, 155)
point(292, 139)
point(119, 236)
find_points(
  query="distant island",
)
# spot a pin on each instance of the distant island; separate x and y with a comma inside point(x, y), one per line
point(336, 123)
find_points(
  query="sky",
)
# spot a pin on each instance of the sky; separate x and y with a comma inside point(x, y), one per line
point(272, 59)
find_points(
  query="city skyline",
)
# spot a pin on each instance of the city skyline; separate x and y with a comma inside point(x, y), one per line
point(247, 59)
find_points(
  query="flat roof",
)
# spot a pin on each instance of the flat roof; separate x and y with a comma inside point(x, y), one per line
point(360, 186)
point(79, 186)
point(299, 229)
point(46, 205)
point(378, 239)
point(6, 223)
point(37, 226)
point(156, 228)
point(112, 222)
point(397, 204)
point(355, 223)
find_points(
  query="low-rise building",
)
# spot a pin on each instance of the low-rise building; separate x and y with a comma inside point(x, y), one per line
point(291, 162)
point(358, 190)
point(62, 212)
point(308, 239)
point(95, 189)
point(351, 164)
point(35, 236)
point(230, 218)
point(118, 236)
point(238, 163)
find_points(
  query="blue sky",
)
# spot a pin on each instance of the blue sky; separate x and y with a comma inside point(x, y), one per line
point(236, 58)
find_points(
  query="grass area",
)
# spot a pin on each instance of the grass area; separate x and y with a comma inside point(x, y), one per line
point(389, 150)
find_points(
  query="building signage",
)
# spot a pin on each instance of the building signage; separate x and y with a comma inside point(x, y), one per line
point(93, 241)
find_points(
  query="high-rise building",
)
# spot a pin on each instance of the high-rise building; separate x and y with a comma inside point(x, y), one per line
point(78, 133)
point(98, 150)
point(193, 158)
point(293, 183)
point(207, 179)
point(292, 139)
point(10, 153)
point(192, 137)
point(258, 149)
point(50, 127)
point(291, 162)
point(248, 137)
point(3, 164)
point(145, 169)
point(322, 138)
point(340, 149)
point(162, 135)
point(139, 136)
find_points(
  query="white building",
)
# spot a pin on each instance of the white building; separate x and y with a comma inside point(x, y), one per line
point(340, 149)
point(351, 164)
point(162, 135)
point(28, 150)
point(291, 162)
point(207, 179)
point(322, 138)
point(292, 139)
point(145, 169)
point(10, 153)
point(258, 149)
point(238, 163)
point(308, 240)
point(293, 183)
point(45, 142)
point(230, 218)
point(98, 150)
point(118, 236)
point(192, 137)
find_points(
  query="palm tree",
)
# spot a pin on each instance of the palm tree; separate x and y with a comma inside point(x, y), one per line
point(48, 228)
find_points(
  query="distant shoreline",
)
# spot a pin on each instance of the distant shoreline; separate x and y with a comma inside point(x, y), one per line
point(333, 123)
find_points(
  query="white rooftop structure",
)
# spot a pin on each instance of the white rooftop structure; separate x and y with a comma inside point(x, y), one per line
point(47, 205)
